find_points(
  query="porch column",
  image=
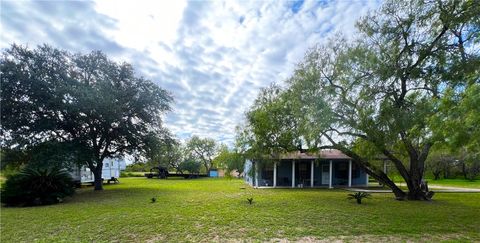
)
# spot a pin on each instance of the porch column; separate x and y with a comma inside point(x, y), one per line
point(366, 183)
point(385, 166)
point(350, 173)
point(256, 174)
point(311, 174)
point(275, 174)
point(293, 173)
point(330, 177)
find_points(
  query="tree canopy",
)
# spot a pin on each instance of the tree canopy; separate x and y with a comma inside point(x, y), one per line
point(203, 150)
point(98, 107)
point(230, 159)
point(378, 94)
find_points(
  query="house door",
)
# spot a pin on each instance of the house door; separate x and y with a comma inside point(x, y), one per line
point(325, 174)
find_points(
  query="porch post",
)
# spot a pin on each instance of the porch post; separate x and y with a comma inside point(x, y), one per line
point(330, 177)
point(385, 166)
point(350, 173)
point(366, 183)
point(275, 174)
point(256, 175)
point(311, 174)
point(293, 173)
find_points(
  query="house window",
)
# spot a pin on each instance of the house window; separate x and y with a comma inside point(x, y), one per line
point(355, 171)
point(342, 171)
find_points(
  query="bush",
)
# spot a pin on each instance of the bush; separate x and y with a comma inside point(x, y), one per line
point(358, 196)
point(132, 174)
point(33, 187)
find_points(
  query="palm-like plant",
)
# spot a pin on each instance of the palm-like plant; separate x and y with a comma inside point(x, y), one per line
point(37, 187)
point(359, 196)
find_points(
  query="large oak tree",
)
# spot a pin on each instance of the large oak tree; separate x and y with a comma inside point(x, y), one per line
point(96, 106)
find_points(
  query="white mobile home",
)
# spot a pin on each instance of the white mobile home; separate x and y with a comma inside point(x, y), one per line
point(110, 171)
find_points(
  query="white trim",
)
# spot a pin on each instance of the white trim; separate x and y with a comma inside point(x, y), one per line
point(256, 174)
point(293, 173)
point(311, 174)
point(350, 173)
point(330, 179)
point(275, 174)
point(366, 183)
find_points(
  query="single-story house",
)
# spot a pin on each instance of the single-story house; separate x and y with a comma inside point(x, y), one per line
point(327, 168)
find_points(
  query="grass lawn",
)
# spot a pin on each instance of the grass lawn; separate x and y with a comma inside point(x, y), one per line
point(455, 183)
point(217, 209)
point(444, 182)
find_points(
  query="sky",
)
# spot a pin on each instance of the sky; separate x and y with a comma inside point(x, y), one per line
point(213, 56)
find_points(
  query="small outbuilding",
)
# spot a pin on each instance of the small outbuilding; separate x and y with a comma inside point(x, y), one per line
point(213, 173)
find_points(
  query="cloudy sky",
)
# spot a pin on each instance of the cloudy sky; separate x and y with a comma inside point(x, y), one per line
point(213, 56)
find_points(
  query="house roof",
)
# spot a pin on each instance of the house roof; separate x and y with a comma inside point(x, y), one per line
point(322, 154)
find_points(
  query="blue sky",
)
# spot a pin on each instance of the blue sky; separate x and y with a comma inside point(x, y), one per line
point(214, 56)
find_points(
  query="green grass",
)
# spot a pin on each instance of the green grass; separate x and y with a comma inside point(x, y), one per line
point(217, 209)
point(455, 183)
point(445, 182)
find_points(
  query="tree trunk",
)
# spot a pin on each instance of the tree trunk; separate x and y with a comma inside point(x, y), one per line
point(98, 181)
point(414, 190)
point(207, 168)
point(415, 181)
point(377, 174)
point(436, 175)
point(446, 173)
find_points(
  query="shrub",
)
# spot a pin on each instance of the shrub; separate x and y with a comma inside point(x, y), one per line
point(131, 174)
point(359, 196)
point(33, 187)
point(125, 174)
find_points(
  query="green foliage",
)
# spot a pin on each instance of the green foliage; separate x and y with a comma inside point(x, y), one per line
point(203, 150)
point(43, 155)
point(377, 95)
point(190, 165)
point(132, 174)
point(272, 128)
point(94, 105)
point(33, 187)
point(137, 167)
point(456, 125)
point(232, 160)
point(441, 162)
point(167, 152)
point(359, 196)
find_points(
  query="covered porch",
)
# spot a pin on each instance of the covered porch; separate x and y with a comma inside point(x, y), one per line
point(310, 173)
point(326, 168)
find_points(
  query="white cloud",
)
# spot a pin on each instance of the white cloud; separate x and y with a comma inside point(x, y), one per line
point(213, 56)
